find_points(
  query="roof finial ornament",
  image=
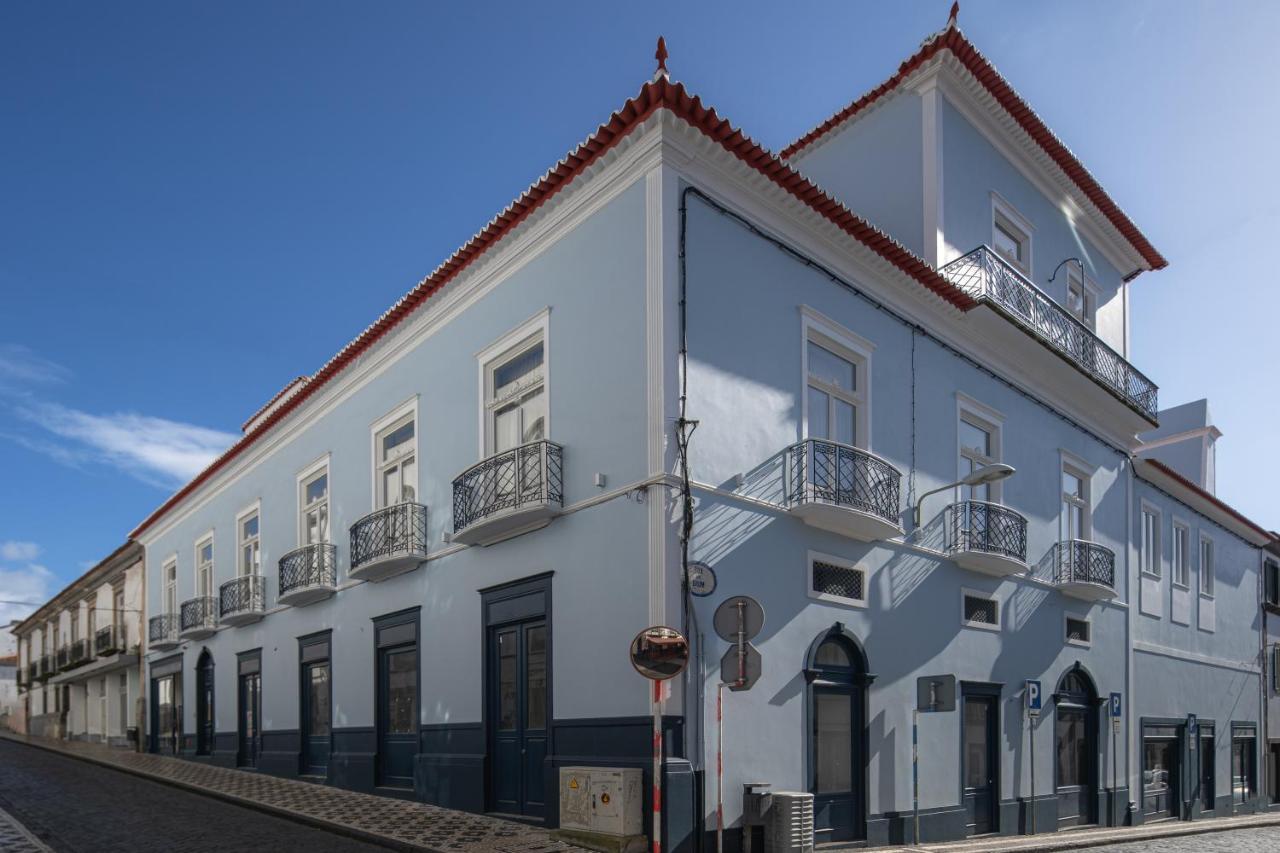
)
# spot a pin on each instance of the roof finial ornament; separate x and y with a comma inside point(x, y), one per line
point(955, 14)
point(661, 56)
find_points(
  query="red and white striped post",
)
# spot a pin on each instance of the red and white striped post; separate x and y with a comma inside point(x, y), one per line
point(659, 653)
point(720, 767)
point(657, 766)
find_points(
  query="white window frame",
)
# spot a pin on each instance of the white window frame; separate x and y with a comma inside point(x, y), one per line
point(1017, 225)
point(169, 582)
point(388, 422)
point(1185, 582)
point(304, 478)
point(1212, 575)
point(1067, 615)
point(241, 517)
point(1089, 296)
point(844, 563)
point(1149, 509)
point(516, 341)
point(966, 592)
point(849, 345)
point(213, 565)
point(1070, 463)
point(984, 417)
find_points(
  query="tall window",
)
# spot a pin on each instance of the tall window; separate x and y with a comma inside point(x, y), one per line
point(315, 508)
point(1151, 542)
point(250, 556)
point(117, 600)
point(1082, 300)
point(517, 401)
point(1076, 510)
point(75, 624)
point(397, 461)
point(1206, 566)
point(1010, 235)
point(171, 588)
point(91, 614)
point(1181, 554)
point(204, 568)
point(979, 447)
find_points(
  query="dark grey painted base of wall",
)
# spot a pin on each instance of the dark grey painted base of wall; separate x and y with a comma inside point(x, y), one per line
point(937, 824)
point(352, 764)
point(449, 768)
point(280, 752)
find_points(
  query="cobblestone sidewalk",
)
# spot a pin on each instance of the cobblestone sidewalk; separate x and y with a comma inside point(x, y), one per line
point(14, 837)
point(383, 820)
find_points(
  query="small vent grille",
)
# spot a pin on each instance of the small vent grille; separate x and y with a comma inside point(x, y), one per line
point(839, 581)
point(1077, 630)
point(984, 611)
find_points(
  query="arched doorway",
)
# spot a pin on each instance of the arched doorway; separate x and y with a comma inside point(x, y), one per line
point(837, 675)
point(205, 719)
point(1076, 739)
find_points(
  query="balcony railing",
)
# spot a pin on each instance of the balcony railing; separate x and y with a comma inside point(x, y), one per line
point(526, 480)
point(63, 659)
point(1079, 562)
point(162, 631)
point(308, 573)
point(80, 654)
point(389, 540)
point(243, 599)
point(107, 641)
point(986, 276)
point(199, 617)
point(986, 528)
point(821, 471)
point(47, 668)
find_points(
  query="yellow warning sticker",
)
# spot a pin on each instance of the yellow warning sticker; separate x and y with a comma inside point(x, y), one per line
point(604, 798)
point(573, 783)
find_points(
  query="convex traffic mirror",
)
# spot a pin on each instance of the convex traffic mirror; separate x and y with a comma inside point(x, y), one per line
point(659, 653)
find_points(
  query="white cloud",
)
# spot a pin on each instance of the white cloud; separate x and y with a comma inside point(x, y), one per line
point(20, 365)
point(14, 550)
point(155, 450)
point(31, 583)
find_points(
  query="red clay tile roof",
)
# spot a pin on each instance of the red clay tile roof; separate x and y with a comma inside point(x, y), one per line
point(1209, 496)
point(655, 95)
point(285, 390)
point(951, 39)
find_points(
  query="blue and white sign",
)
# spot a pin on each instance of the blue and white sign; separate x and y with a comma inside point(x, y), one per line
point(1115, 706)
point(1034, 699)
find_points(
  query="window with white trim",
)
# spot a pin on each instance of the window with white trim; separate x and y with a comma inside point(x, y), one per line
point(1271, 583)
point(249, 553)
point(979, 446)
point(171, 588)
point(979, 610)
point(313, 498)
point(836, 579)
point(837, 377)
point(1181, 557)
point(396, 449)
point(1150, 555)
point(1077, 509)
point(1082, 298)
point(1078, 630)
point(1206, 566)
point(204, 567)
point(1010, 234)
point(516, 396)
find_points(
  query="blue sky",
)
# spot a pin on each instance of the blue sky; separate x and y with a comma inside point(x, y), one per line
point(200, 201)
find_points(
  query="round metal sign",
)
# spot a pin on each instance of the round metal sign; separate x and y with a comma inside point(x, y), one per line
point(659, 653)
point(742, 613)
point(702, 580)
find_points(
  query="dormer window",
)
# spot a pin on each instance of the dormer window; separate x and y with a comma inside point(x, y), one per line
point(1010, 234)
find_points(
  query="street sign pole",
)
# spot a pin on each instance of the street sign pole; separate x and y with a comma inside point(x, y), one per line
point(737, 620)
point(657, 766)
point(915, 774)
point(658, 653)
point(1031, 704)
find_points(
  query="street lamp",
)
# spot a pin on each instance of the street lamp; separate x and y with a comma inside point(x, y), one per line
point(981, 477)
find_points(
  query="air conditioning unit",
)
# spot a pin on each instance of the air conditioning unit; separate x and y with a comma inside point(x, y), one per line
point(605, 800)
point(789, 823)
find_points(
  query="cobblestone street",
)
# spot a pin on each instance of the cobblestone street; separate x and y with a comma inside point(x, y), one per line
point(1263, 840)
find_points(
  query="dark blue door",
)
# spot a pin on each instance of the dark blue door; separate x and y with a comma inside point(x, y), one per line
point(250, 718)
point(981, 763)
point(835, 742)
point(204, 704)
point(518, 717)
point(316, 720)
point(397, 715)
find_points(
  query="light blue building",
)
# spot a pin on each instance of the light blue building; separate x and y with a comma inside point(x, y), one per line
point(420, 569)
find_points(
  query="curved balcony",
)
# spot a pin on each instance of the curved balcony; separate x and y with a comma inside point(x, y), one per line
point(162, 631)
point(107, 641)
point(509, 493)
point(986, 537)
point(308, 574)
point(1085, 570)
point(843, 489)
point(242, 600)
point(389, 542)
point(199, 618)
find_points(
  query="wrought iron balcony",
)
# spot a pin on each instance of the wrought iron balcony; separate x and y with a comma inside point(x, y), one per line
point(308, 574)
point(199, 618)
point(988, 277)
point(162, 631)
point(81, 653)
point(389, 541)
point(107, 641)
point(987, 537)
point(243, 600)
point(33, 672)
point(509, 493)
point(843, 489)
point(1085, 570)
point(63, 659)
point(46, 667)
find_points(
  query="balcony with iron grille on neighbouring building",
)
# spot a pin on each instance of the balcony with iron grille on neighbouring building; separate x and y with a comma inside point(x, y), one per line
point(509, 493)
point(1084, 570)
point(986, 537)
point(843, 489)
point(108, 641)
point(242, 600)
point(199, 618)
point(308, 574)
point(162, 632)
point(1082, 366)
point(389, 541)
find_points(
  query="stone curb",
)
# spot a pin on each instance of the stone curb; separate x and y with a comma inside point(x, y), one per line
point(265, 808)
